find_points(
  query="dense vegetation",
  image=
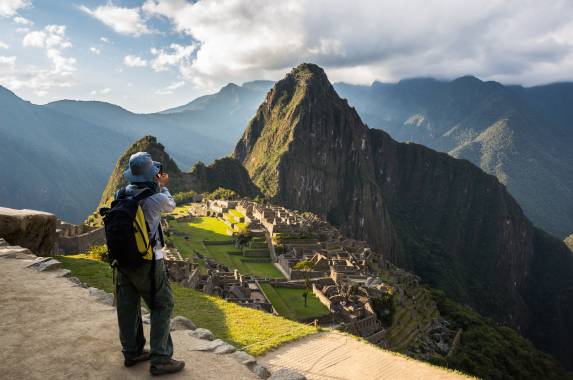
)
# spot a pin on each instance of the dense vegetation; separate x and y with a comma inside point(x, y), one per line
point(184, 197)
point(491, 351)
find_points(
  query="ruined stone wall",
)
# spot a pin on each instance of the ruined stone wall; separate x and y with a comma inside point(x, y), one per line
point(80, 243)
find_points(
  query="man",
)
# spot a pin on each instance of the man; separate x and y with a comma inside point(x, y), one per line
point(135, 283)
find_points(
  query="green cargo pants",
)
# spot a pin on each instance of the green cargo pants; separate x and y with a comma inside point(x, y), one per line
point(132, 285)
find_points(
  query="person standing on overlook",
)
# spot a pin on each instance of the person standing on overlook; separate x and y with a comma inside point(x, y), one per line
point(149, 279)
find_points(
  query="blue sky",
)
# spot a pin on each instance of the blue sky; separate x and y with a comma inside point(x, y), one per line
point(149, 55)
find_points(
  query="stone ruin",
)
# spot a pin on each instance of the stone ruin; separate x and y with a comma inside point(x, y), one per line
point(73, 238)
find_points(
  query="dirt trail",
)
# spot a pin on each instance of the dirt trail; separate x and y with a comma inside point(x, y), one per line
point(50, 329)
point(338, 356)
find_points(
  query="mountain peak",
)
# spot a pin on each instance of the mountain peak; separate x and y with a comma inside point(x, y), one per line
point(303, 105)
point(308, 69)
point(229, 87)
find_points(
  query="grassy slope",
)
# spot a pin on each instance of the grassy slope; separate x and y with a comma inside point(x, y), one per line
point(235, 324)
point(290, 303)
point(213, 229)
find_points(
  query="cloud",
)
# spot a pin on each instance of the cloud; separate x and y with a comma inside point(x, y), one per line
point(51, 37)
point(3, 45)
point(168, 90)
point(526, 41)
point(134, 61)
point(40, 79)
point(34, 39)
point(9, 8)
point(95, 50)
point(9, 62)
point(123, 20)
point(176, 55)
point(22, 21)
point(104, 40)
point(103, 91)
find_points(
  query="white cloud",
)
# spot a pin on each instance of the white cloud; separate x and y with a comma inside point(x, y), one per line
point(42, 79)
point(134, 61)
point(104, 40)
point(168, 90)
point(3, 45)
point(103, 91)
point(22, 20)
point(7, 61)
point(122, 20)
point(525, 41)
point(95, 50)
point(34, 39)
point(176, 55)
point(9, 8)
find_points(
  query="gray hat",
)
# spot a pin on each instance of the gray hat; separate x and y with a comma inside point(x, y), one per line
point(141, 168)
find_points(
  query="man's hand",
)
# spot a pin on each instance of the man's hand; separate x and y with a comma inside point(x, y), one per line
point(163, 179)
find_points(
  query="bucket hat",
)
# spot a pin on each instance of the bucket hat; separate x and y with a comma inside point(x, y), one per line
point(141, 168)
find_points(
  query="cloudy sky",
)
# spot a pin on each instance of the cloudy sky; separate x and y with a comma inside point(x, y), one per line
point(149, 55)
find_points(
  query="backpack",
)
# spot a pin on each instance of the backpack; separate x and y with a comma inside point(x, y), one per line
point(126, 231)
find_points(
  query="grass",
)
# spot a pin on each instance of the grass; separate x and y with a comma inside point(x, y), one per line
point(236, 214)
point(201, 229)
point(238, 325)
point(182, 210)
point(91, 271)
point(289, 303)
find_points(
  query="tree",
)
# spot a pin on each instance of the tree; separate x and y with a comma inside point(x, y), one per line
point(242, 239)
point(306, 266)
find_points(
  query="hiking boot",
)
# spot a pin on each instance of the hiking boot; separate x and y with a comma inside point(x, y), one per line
point(170, 366)
point(144, 356)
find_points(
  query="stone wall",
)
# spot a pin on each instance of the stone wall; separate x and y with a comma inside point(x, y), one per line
point(320, 295)
point(80, 243)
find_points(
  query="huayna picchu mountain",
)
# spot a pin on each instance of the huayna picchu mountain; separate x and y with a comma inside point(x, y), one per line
point(441, 217)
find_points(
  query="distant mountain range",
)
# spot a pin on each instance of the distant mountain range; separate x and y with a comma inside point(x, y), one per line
point(58, 157)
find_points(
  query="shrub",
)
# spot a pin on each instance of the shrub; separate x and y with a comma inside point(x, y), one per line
point(98, 252)
point(184, 197)
point(222, 193)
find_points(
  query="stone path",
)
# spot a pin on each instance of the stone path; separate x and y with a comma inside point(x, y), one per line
point(338, 356)
point(51, 329)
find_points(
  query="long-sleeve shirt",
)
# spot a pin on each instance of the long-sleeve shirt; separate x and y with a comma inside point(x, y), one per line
point(153, 207)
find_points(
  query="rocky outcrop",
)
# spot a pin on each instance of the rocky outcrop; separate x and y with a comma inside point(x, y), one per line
point(569, 242)
point(443, 218)
point(31, 229)
point(226, 172)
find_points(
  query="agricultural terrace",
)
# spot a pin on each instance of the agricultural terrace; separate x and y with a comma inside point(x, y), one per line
point(289, 303)
point(210, 237)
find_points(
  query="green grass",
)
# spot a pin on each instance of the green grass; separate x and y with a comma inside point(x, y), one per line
point(290, 303)
point(201, 229)
point(93, 272)
point(235, 324)
point(236, 214)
